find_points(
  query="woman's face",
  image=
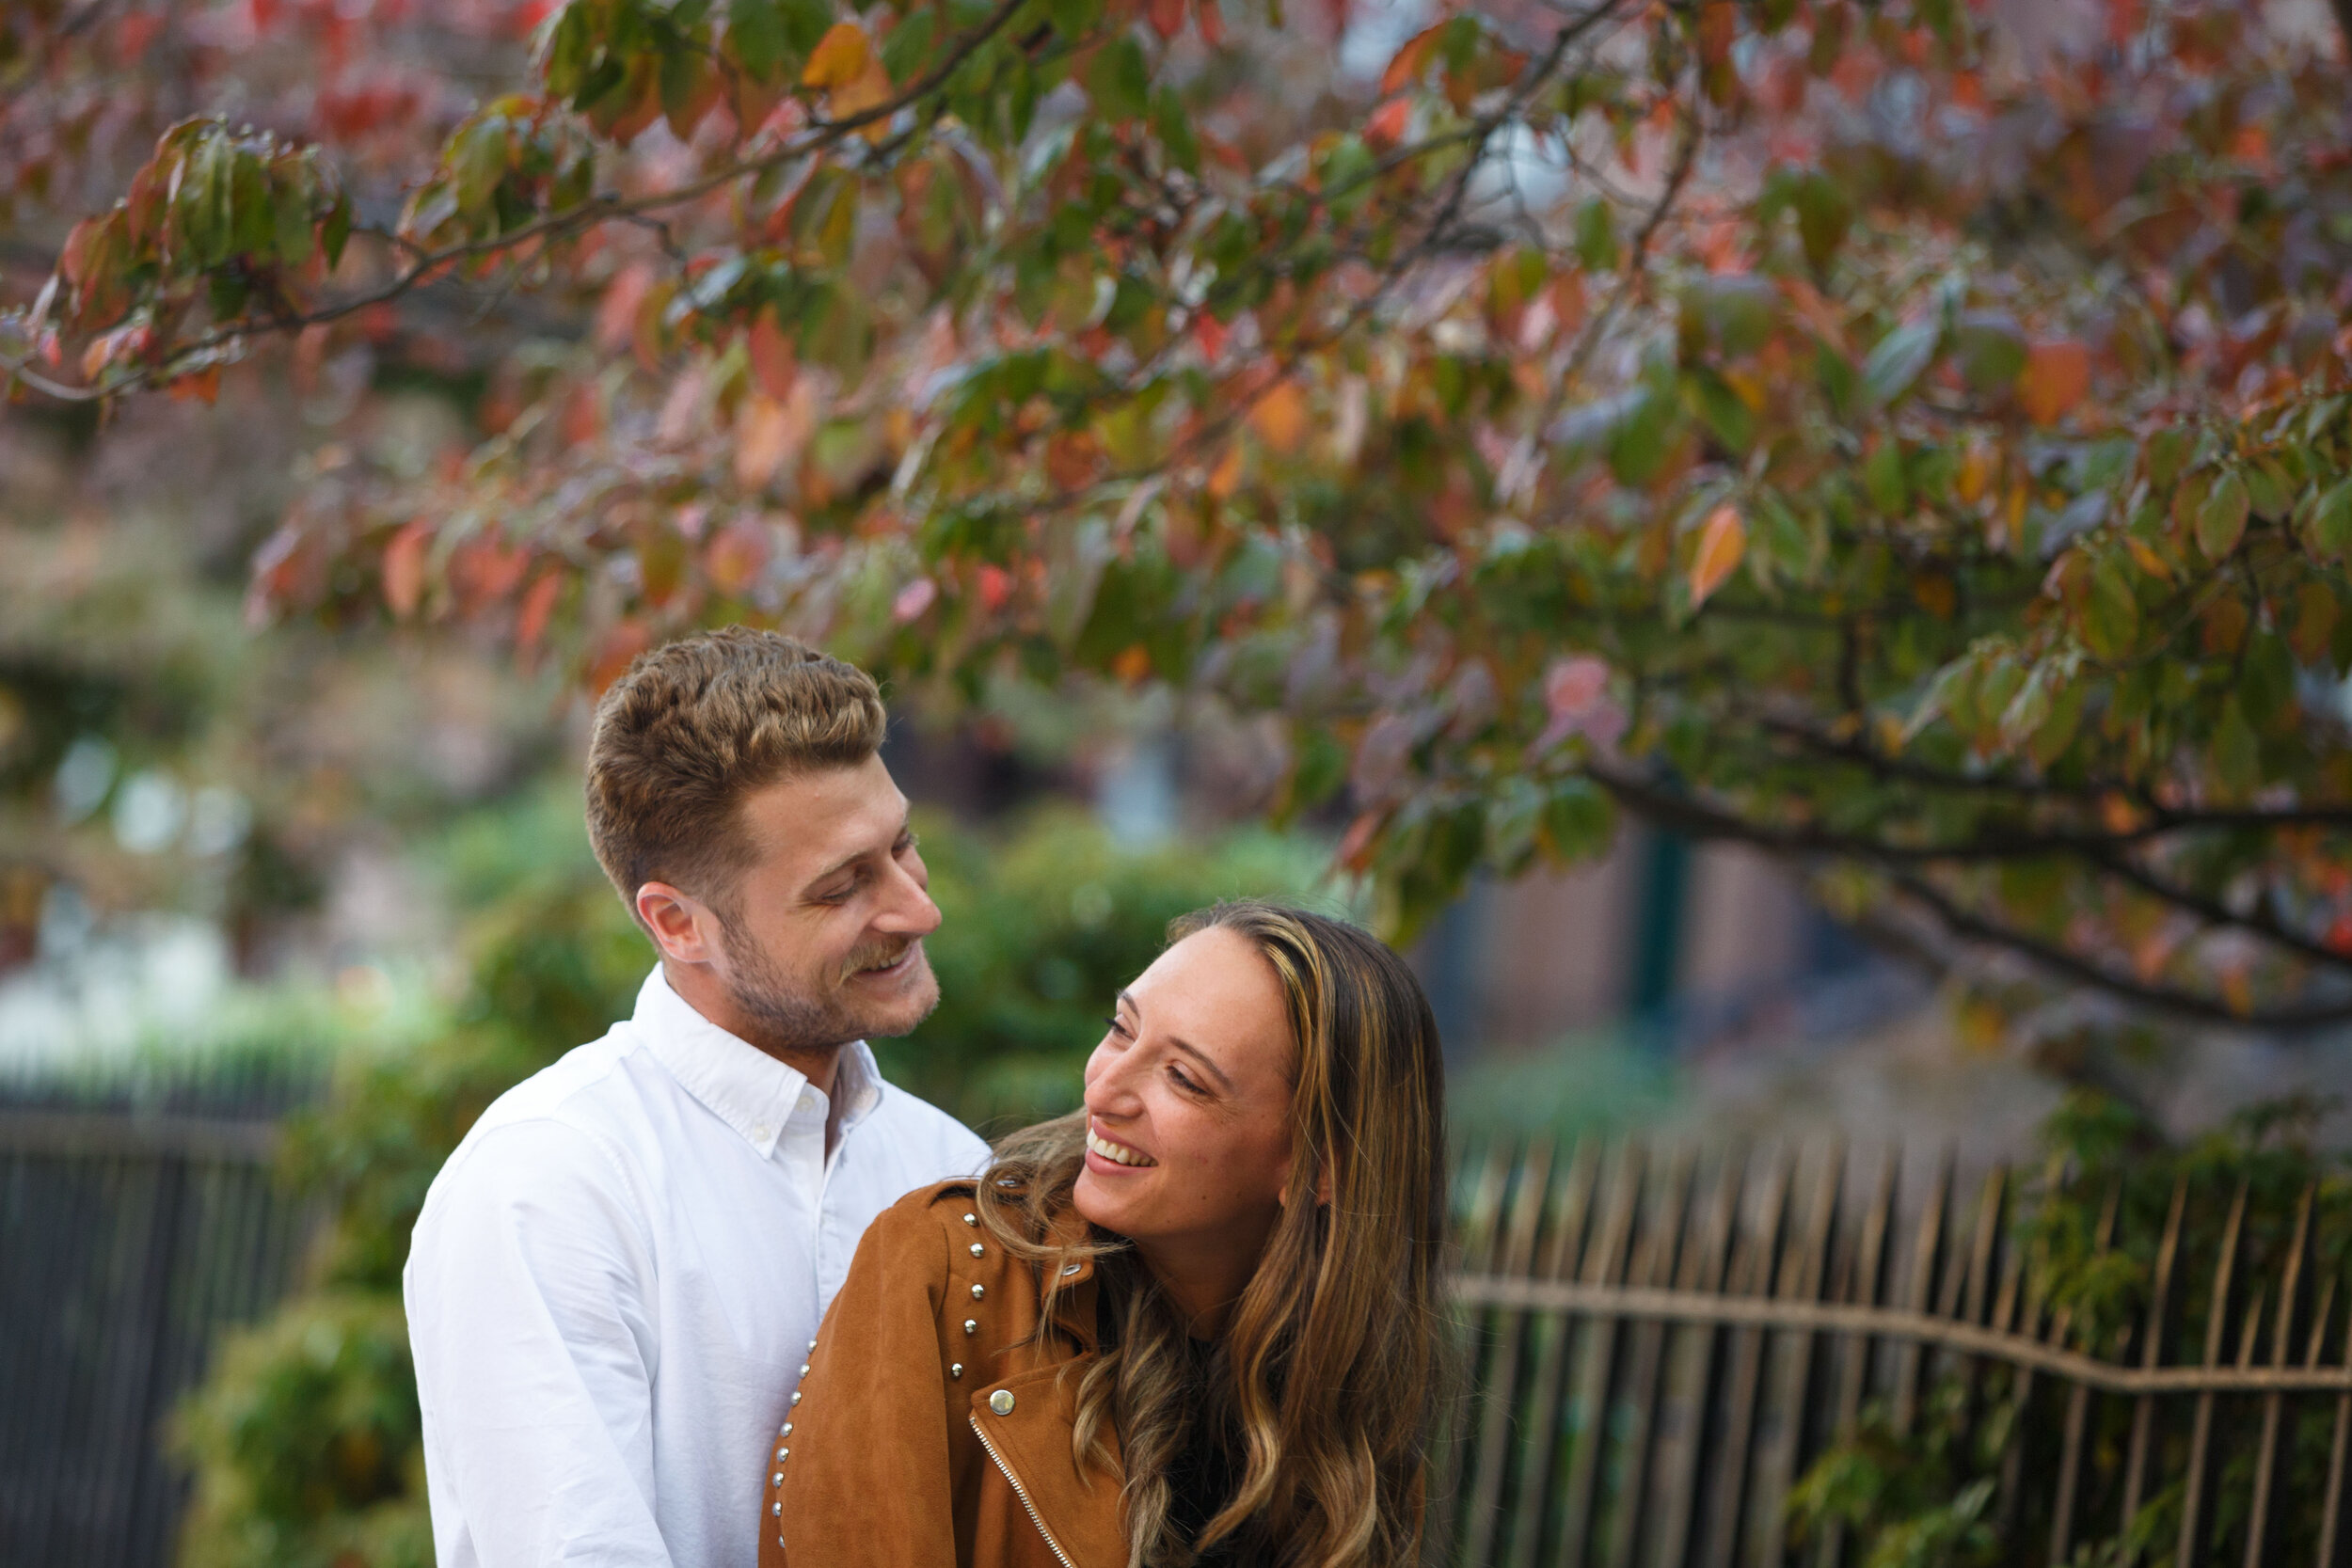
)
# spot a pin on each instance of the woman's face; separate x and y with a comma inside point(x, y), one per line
point(1188, 1109)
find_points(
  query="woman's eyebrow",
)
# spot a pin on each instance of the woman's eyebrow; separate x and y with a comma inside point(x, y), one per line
point(1127, 999)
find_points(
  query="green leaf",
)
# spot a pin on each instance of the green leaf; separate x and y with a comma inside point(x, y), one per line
point(569, 48)
point(2056, 732)
point(2168, 453)
point(906, 54)
point(294, 234)
point(2110, 610)
point(478, 163)
point(337, 231)
point(2331, 521)
point(1120, 81)
point(2237, 751)
point(1579, 820)
point(1883, 479)
point(1900, 359)
point(1595, 235)
point(2221, 517)
point(1172, 123)
point(1989, 348)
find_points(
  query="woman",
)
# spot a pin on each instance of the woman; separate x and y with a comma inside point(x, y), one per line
point(1194, 1323)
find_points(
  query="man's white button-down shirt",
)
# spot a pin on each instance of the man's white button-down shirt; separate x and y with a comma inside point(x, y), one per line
point(616, 1279)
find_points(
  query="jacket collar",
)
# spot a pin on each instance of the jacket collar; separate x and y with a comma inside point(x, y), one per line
point(1073, 1283)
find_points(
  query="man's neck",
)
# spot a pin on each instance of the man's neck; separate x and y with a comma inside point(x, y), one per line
point(820, 1065)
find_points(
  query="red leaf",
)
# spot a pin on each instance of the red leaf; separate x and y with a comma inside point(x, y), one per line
point(617, 313)
point(1168, 17)
point(1212, 22)
point(772, 359)
point(2056, 376)
point(1385, 127)
point(531, 622)
point(616, 652)
point(1210, 335)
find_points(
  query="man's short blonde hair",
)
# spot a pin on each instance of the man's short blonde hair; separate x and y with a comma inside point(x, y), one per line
point(697, 725)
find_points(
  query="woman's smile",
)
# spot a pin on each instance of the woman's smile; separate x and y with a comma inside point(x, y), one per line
point(1103, 1151)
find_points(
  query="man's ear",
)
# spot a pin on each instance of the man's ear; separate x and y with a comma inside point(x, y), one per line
point(682, 926)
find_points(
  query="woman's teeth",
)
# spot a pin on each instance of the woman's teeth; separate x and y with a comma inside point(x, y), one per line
point(1119, 1152)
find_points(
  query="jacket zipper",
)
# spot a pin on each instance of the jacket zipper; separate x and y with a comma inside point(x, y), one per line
point(1022, 1492)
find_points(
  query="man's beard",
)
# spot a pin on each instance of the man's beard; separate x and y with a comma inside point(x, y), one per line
point(788, 1017)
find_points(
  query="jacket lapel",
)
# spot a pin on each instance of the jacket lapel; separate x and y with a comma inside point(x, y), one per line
point(1024, 1423)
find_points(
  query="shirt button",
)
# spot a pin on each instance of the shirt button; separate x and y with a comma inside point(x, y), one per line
point(978, 1251)
point(978, 1290)
point(1069, 1269)
point(808, 1100)
point(760, 1133)
point(955, 1369)
point(776, 1480)
point(783, 1431)
point(803, 1368)
point(971, 1326)
point(795, 1396)
point(1001, 1401)
point(971, 1219)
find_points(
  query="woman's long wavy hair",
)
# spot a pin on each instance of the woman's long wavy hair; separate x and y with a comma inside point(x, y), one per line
point(1324, 1384)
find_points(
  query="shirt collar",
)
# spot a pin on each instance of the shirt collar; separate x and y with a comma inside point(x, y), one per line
point(739, 1083)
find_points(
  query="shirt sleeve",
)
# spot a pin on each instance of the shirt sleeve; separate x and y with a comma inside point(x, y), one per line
point(536, 1353)
point(867, 1476)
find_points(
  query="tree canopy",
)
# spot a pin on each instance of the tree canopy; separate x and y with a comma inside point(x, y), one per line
point(1912, 436)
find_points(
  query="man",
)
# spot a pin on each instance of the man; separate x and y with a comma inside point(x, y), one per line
point(617, 1278)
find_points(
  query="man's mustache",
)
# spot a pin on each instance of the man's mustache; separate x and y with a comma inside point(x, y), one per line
point(877, 956)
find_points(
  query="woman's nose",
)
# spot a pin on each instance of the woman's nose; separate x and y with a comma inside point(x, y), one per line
point(1111, 1087)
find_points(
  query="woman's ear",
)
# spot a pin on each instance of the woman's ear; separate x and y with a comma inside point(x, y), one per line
point(1323, 1188)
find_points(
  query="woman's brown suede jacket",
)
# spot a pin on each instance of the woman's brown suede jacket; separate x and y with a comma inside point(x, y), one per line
point(932, 1430)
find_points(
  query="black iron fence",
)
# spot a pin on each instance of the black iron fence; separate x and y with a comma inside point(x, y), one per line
point(137, 1221)
point(1663, 1343)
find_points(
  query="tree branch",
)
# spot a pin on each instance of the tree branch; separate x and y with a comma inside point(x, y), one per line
point(427, 265)
point(1977, 928)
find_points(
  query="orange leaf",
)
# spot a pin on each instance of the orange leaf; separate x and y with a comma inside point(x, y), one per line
point(404, 568)
point(839, 58)
point(1385, 127)
point(1280, 418)
point(1722, 543)
point(2056, 376)
point(736, 559)
point(1168, 17)
point(871, 89)
point(1212, 22)
point(1409, 60)
point(1226, 477)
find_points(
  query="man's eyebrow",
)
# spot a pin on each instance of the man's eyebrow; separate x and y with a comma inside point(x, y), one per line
point(1186, 1047)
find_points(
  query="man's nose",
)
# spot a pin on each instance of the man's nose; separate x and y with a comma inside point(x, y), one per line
point(907, 907)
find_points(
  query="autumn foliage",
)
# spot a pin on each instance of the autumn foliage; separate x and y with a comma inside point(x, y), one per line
point(1910, 437)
